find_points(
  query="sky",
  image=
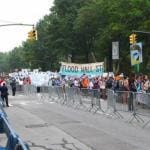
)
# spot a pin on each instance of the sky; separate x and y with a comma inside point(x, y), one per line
point(20, 11)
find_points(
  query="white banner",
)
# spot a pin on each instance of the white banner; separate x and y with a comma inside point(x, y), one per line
point(115, 50)
point(80, 69)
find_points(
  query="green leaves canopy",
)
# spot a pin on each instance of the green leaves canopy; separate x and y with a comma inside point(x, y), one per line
point(85, 31)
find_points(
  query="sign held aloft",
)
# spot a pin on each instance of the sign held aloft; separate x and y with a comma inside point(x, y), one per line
point(74, 69)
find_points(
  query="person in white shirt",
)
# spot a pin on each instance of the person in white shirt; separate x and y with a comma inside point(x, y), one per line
point(76, 82)
point(91, 85)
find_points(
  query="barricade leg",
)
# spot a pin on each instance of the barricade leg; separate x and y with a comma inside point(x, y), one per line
point(96, 101)
point(80, 105)
point(91, 106)
point(115, 111)
point(99, 107)
point(134, 114)
point(111, 103)
point(146, 124)
point(82, 94)
point(136, 117)
point(70, 94)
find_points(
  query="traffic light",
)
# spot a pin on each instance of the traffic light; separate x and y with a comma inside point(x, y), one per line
point(32, 35)
point(132, 38)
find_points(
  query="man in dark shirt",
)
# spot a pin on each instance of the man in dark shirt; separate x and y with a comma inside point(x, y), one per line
point(13, 87)
point(4, 94)
point(132, 88)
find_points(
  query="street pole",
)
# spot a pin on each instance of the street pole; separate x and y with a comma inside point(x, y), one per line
point(16, 24)
point(144, 32)
point(31, 35)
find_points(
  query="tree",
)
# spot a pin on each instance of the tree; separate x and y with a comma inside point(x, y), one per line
point(101, 22)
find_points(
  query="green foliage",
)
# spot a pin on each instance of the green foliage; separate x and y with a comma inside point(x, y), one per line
point(85, 30)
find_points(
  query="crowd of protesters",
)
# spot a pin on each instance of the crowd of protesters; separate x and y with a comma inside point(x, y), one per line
point(119, 82)
point(134, 83)
point(124, 86)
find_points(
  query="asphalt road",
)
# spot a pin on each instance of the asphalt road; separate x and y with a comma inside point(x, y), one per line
point(50, 126)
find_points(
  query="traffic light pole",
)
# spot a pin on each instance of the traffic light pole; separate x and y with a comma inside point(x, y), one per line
point(16, 24)
point(32, 34)
point(144, 32)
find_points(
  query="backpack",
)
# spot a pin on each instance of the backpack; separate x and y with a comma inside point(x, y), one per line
point(132, 87)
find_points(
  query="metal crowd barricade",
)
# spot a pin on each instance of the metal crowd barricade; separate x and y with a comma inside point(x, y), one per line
point(116, 105)
point(71, 96)
point(112, 104)
point(124, 101)
point(60, 93)
point(44, 90)
point(81, 96)
point(14, 142)
point(84, 98)
point(141, 107)
point(19, 88)
point(137, 104)
point(94, 96)
point(26, 90)
point(53, 96)
point(29, 89)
